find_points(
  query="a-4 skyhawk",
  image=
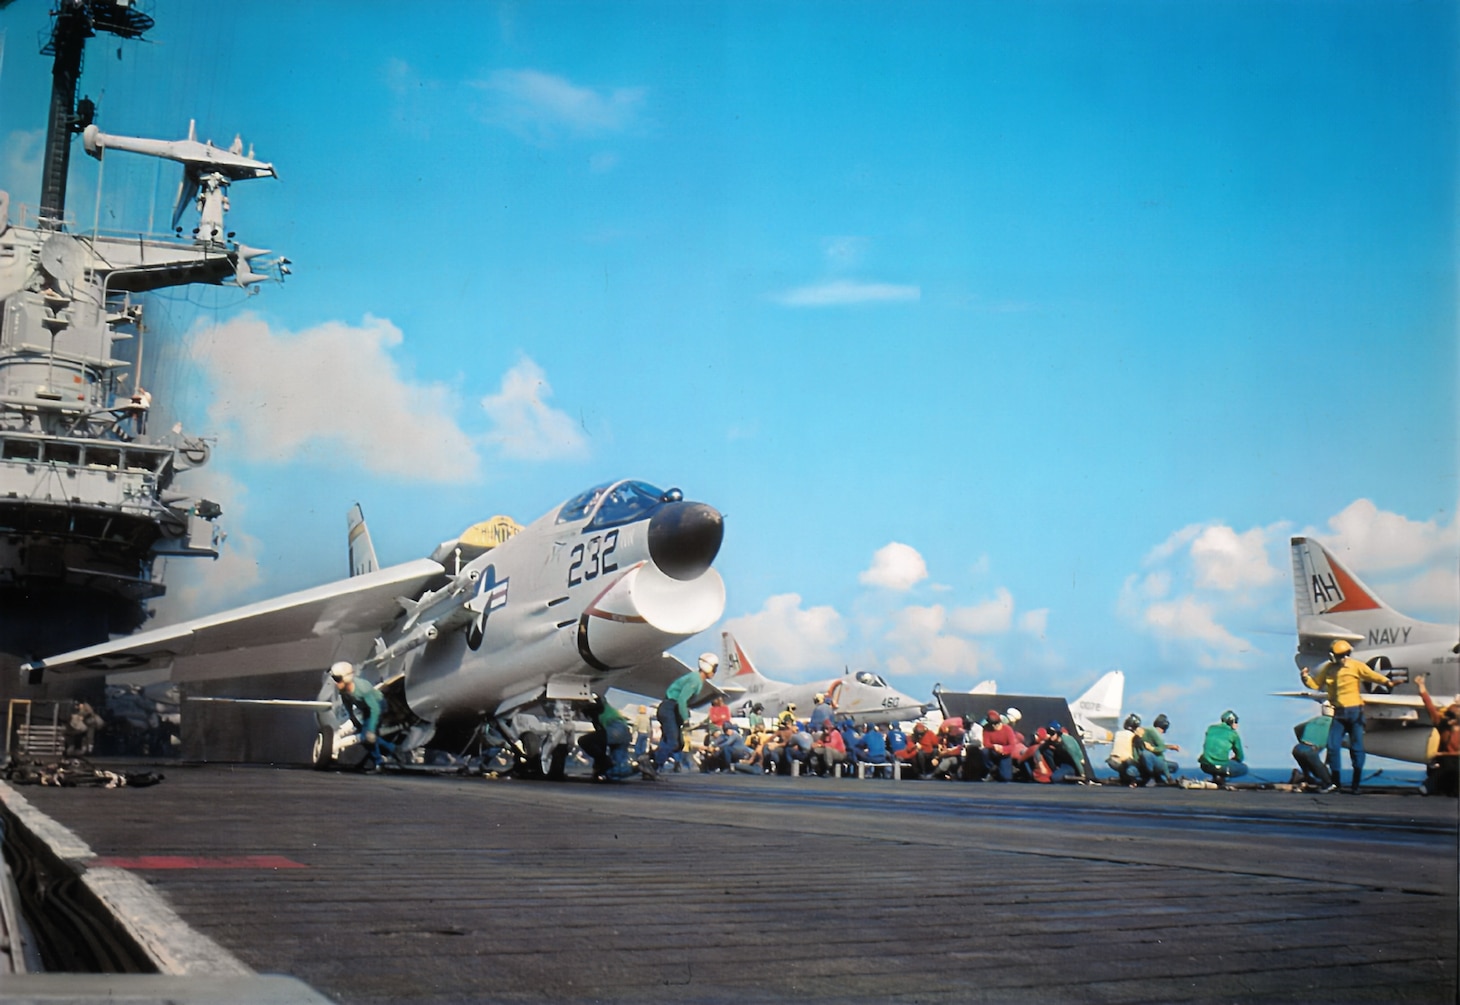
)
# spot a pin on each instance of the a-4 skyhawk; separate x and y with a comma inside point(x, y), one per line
point(863, 695)
point(507, 629)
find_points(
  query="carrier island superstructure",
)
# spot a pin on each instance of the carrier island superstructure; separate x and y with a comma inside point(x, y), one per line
point(90, 496)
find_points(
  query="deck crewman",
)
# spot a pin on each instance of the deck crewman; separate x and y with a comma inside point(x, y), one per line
point(364, 703)
point(1342, 677)
point(673, 711)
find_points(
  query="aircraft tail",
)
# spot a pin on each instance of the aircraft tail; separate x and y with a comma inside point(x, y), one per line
point(1097, 711)
point(1332, 603)
point(362, 552)
point(737, 666)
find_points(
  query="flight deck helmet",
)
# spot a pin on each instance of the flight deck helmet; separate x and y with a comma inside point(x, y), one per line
point(709, 663)
point(1132, 722)
point(342, 672)
point(1229, 717)
point(1340, 649)
point(1161, 722)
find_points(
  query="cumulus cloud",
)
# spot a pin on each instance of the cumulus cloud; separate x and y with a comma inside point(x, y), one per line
point(1035, 622)
point(1226, 560)
point(848, 293)
point(199, 586)
point(22, 153)
point(526, 427)
point(895, 566)
point(1195, 583)
point(782, 637)
point(1189, 619)
point(543, 106)
point(1366, 537)
point(920, 645)
point(1410, 563)
point(988, 618)
point(336, 389)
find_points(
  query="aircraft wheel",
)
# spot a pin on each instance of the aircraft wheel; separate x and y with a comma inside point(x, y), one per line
point(323, 755)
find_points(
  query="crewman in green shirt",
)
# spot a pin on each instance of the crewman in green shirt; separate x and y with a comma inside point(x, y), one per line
point(1221, 750)
point(673, 711)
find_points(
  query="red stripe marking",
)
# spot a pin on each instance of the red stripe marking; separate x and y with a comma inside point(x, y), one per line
point(198, 862)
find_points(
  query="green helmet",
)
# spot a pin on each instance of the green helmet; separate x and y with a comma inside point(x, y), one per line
point(1229, 717)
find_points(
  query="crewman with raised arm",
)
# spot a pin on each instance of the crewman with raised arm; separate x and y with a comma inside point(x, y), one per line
point(1343, 677)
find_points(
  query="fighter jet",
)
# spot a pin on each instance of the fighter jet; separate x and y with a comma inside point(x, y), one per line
point(1332, 603)
point(507, 629)
point(863, 695)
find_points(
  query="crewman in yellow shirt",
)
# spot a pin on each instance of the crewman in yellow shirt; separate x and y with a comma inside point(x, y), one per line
point(1342, 677)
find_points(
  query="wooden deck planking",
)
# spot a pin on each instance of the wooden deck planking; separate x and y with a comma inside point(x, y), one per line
point(703, 889)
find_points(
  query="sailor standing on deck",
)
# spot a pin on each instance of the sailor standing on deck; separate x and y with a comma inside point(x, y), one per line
point(673, 711)
point(364, 703)
point(1342, 677)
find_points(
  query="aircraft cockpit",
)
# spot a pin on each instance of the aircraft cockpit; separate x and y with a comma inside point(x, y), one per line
point(870, 679)
point(615, 503)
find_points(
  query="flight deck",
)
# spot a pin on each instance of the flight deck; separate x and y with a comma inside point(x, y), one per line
point(410, 888)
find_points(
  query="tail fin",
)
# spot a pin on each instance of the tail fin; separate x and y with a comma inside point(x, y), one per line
point(1097, 711)
point(738, 663)
point(362, 552)
point(1323, 586)
point(985, 687)
point(1332, 603)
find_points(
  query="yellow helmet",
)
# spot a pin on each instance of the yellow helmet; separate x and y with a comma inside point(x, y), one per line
point(1340, 648)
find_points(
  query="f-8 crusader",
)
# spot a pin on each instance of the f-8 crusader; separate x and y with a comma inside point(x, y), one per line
point(505, 631)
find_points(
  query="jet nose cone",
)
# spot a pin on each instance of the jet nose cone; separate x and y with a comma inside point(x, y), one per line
point(684, 538)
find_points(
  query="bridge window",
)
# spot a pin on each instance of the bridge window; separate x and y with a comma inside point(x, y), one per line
point(23, 450)
point(63, 453)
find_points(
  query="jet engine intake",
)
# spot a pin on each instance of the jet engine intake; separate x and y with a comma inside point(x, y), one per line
point(644, 612)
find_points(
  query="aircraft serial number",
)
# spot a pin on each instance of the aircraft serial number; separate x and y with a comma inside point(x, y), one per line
point(593, 559)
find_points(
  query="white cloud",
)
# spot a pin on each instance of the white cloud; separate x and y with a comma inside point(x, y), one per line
point(783, 638)
point(1368, 538)
point(334, 390)
point(988, 618)
point(22, 156)
point(526, 428)
point(921, 645)
point(845, 292)
point(1225, 560)
point(895, 566)
point(542, 105)
point(1188, 619)
point(198, 586)
point(1035, 622)
point(1173, 544)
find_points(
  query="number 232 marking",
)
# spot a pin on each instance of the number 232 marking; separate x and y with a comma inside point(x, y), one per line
point(593, 559)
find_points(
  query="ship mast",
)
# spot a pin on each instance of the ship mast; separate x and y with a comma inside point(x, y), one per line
point(74, 22)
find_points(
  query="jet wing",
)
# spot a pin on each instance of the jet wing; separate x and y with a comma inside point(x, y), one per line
point(650, 680)
point(306, 630)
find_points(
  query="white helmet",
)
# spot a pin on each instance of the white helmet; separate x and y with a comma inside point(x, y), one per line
point(342, 671)
point(709, 663)
point(1013, 715)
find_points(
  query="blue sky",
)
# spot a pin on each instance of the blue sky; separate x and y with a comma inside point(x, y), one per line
point(1013, 340)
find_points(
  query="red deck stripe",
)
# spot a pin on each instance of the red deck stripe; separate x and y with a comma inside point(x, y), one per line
point(197, 862)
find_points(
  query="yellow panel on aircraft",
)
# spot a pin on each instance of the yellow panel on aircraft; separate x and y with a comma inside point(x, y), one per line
point(489, 533)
